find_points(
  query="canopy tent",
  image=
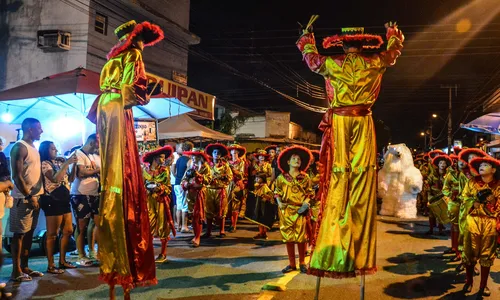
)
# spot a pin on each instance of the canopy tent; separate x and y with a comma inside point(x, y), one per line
point(71, 95)
point(489, 123)
point(183, 127)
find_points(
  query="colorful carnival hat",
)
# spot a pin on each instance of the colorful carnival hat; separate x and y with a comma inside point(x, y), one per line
point(437, 159)
point(211, 147)
point(197, 152)
point(241, 150)
point(434, 153)
point(306, 158)
point(454, 157)
point(151, 34)
point(465, 153)
point(261, 153)
point(456, 150)
point(351, 35)
point(476, 163)
point(271, 147)
point(315, 154)
point(150, 156)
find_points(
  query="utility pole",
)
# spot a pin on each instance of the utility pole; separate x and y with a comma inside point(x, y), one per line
point(450, 87)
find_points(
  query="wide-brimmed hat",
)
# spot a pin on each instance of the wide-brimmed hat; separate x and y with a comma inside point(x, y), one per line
point(306, 158)
point(454, 157)
point(464, 154)
point(197, 152)
point(151, 34)
point(353, 34)
point(241, 150)
point(432, 154)
point(150, 156)
point(437, 159)
point(315, 154)
point(271, 147)
point(476, 163)
point(456, 150)
point(261, 153)
point(211, 147)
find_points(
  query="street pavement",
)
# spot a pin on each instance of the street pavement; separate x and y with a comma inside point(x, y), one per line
point(410, 266)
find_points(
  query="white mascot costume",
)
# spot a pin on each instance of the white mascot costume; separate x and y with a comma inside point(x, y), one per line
point(399, 183)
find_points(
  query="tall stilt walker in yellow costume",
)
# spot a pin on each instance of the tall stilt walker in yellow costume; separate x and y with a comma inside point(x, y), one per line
point(125, 241)
point(345, 237)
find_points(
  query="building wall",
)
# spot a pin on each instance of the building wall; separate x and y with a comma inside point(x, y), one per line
point(295, 131)
point(21, 61)
point(253, 125)
point(277, 124)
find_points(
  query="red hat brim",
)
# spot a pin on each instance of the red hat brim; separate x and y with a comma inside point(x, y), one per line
point(271, 147)
point(437, 159)
point(435, 153)
point(241, 150)
point(197, 153)
point(464, 154)
point(306, 158)
point(211, 147)
point(476, 163)
point(167, 150)
point(151, 34)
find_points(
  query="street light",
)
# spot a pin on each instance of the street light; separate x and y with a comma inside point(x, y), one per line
point(434, 116)
point(425, 140)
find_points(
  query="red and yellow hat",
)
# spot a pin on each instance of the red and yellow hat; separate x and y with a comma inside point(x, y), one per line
point(241, 150)
point(150, 156)
point(465, 153)
point(306, 158)
point(211, 147)
point(434, 153)
point(271, 147)
point(437, 159)
point(150, 34)
point(197, 152)
point(475, 164)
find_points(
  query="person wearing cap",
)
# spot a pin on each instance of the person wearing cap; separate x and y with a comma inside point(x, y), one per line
point(263, 165)
point(466, 173)
point(217, 201)
point(126, 251)
point(159, 188)
point(452, 187)
point(236, 189)
point(435, 180)
point(293, 193)
point(348, 152)
point(195, 182)
point(480, 234)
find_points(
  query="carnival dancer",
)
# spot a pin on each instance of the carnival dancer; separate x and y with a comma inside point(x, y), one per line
point(466, 173)
point(452, 187)
point(236, 190)
point(435, 180)
point(195, 181)
point(293, 192)
point(159, 189)
point(125, 241)
point(480, 234)
point(216, 204)
point(265, 206)
point(315, 176)
point(348, 152)
point(262, 165)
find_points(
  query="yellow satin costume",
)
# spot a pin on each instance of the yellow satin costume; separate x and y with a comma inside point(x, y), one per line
point(345, 242)
point(236, 188)
point(216, 204)
point(160, 217)
point(266, 168)
point(315, 203)
point(480, 235)
point(454, 183)
point(435, 187)
point(465, 206)
point(293, 192)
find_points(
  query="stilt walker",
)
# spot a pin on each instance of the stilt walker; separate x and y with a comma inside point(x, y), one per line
point(159, 188)
point(293, 192)
point(480, 234)
point(216, 204)
point(195, 182)
point(345, 238)
point(125, 241)
point(236, 190)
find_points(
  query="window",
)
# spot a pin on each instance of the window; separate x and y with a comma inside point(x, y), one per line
point(101, 23)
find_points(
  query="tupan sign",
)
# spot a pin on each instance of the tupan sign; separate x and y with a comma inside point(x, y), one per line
point(203, 103)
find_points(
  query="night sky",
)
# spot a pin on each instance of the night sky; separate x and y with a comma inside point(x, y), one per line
point(257, 38)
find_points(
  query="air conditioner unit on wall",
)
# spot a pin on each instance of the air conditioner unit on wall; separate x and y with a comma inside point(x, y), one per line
point(53, 40)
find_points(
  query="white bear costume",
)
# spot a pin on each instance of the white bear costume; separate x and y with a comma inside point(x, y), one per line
point(399, 183)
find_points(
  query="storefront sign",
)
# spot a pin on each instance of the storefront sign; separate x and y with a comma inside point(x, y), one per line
point(179, 78)
point(203, 103)
point(145, 131)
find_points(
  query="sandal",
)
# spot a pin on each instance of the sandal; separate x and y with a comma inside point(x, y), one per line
point(53, 270)
point(85, 262)
point(32, 273)
point(66, 265)
point(22, 278)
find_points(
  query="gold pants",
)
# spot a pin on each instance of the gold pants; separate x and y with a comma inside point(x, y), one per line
point(216, 204)
point(462, 222)
point(158, 220)
point(454, 212)
point(480, 240)
point(293, 227)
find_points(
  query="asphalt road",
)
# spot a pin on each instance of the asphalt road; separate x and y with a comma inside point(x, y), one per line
point(411, 266)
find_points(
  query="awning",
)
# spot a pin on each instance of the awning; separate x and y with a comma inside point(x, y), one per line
point(489, 123)
point(183, 127)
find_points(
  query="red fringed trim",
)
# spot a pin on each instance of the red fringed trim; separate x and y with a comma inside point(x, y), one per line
point(341, 275)
point(126, 282)
point(369, 41)
point(152, 35)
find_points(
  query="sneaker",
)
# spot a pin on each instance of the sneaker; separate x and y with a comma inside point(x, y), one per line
point(84, 262)
point(288, 269)
point(303, 269)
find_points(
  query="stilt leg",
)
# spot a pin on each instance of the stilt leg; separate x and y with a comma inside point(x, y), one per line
point(362, 290)
point(112, 292)
point(318, 283)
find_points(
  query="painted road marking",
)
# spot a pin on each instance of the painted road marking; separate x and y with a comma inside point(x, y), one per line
point(283, 281)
